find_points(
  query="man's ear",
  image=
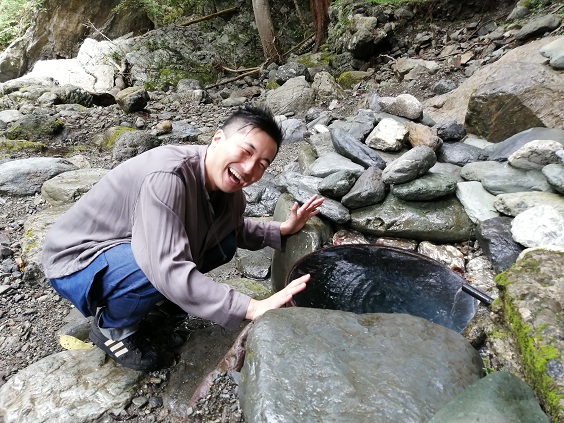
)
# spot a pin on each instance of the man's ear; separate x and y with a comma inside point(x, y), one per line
point(218, 136)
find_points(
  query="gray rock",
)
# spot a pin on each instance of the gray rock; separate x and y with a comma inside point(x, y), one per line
point(404, 105)
point(447, 254)
point(427, 187)
point(494, 236)
point(538, 26)
point(332, 162)
point(358, 127)
point(33, 127)
point(348, 146)
point(535, 154)
point(501, 396)
point(72, 386)
point(330, 209)
point(132, 99)
point(261, 197)
point(295, 179)
point(312, 237)
point(478, 171)
point(131, 144)
point(368, 190)
point(554, 174)
point(509, 179)
point(458, 153)
point(502, 150)
point(233, 101)
point(555, 52)
point(295, 95)
point(447, 169)
point(26, 176)
point(443, 86)
point(183, 132)
point(373, 376)
point(68, 187)
point(254, 264)
point(478, 203)
point(438, 221)
point(326, 88)
point(450, 130)
point(337, 184)
point(414, 163)
point(290, 70)
point(511, 204)
point(293, 130)
point(322, 143)
point(539, 226)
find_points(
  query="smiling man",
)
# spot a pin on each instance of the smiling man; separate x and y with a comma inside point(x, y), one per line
point(152, 227)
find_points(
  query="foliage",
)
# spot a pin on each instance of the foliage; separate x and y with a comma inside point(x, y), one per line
point(385, 2)
point(15, 17)
point(164, 12)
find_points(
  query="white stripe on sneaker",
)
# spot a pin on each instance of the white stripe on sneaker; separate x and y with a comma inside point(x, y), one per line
point(121, 352)
point(116, 346)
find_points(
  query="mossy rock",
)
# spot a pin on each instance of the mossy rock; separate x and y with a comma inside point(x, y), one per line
point(108, 139)
point(32, 127)
point(349, 79)
point(531, 294)
point(14, 146)
point(249, 287)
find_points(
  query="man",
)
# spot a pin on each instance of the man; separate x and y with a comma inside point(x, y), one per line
point(153, 225)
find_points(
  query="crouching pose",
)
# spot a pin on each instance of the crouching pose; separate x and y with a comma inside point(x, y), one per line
point(151, 228)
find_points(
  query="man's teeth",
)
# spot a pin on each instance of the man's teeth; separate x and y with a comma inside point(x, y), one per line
point(235, 174)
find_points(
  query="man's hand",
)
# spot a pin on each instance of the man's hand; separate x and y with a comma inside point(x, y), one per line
point(299, 216)
point(258, 308)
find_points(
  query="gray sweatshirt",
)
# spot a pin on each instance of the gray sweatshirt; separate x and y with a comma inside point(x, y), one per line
point(158, 202)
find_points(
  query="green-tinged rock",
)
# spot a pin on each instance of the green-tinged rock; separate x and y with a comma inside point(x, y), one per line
point(108, 139)
point(32, 127)
point(350, 78)
point(500, 397)
point(532, 298)
point(12, 146)
point(436, 221)
point(312, 237)
point(249, 287)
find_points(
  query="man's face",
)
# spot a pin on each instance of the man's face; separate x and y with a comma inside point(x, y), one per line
point(237, 160)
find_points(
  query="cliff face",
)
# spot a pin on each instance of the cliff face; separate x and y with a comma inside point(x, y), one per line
point(61, 26)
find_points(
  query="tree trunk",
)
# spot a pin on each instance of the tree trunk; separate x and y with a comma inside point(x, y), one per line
point(320, 14)
point(261, 9)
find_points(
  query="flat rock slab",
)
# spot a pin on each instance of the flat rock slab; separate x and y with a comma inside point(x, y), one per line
point(311, 365)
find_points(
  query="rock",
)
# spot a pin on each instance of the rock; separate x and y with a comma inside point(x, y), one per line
point(388, 135)
point(425, 188)
point(312, 237)
point(25, 176)
point(494, 236)
point(330, 209)
point(293, 130)
point(501, 396)
point(131, 144)
point(32, 127)
point(410, 165)
point(323, 367)
point(511, 204)
point(538, 226)
point(330, 163)
point(478, 171)
point(510, 179)
point(290, 70)
point(555, 52)
point(538, 270)
point(477, 202)
point(72, 386)
point(348, 146)
point(357, 127)
point(450, 130)
point(254, 264)
point(68, 187)
point(294, 96)
point(538, 26)
point(368, 190)
point(404, 105)
point(132, 99)
point(458, 153)
point(436, 221)
point(501, 151)
point(554, 174)
point(423, 135)
point(535, 154)
point(326, 88)
point(337, 184)
point(447, 254)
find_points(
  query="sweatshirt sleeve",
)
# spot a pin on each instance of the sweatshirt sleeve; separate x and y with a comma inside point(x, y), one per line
point(254, 234)
point(162, 251)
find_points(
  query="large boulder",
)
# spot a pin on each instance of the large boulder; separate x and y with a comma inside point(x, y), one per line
point(489, 89)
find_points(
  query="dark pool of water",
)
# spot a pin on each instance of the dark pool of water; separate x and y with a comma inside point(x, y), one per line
point(374, 279)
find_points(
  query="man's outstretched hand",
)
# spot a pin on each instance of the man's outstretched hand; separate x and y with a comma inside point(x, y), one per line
point(258, 308)
point(300, 215)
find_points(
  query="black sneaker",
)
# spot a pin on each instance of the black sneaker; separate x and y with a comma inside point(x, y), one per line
point(134, 352)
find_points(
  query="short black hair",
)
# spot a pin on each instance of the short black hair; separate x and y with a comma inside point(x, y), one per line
point(256, 117)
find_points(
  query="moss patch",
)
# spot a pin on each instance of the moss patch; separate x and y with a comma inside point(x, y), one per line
point(12, 146)
point(111, 135)
point(535, 351)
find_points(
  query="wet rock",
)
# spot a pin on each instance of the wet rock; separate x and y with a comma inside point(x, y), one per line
point(367, 190)
point(348, 146)
point(323, 368)
point(414, 163)
point(477, 202)
point(494, 236)
point(425, 188)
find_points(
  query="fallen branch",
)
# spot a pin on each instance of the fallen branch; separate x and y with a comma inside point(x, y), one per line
point(235, 78)
point(207, 17)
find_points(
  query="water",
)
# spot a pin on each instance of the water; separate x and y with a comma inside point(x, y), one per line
point(374, 279)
